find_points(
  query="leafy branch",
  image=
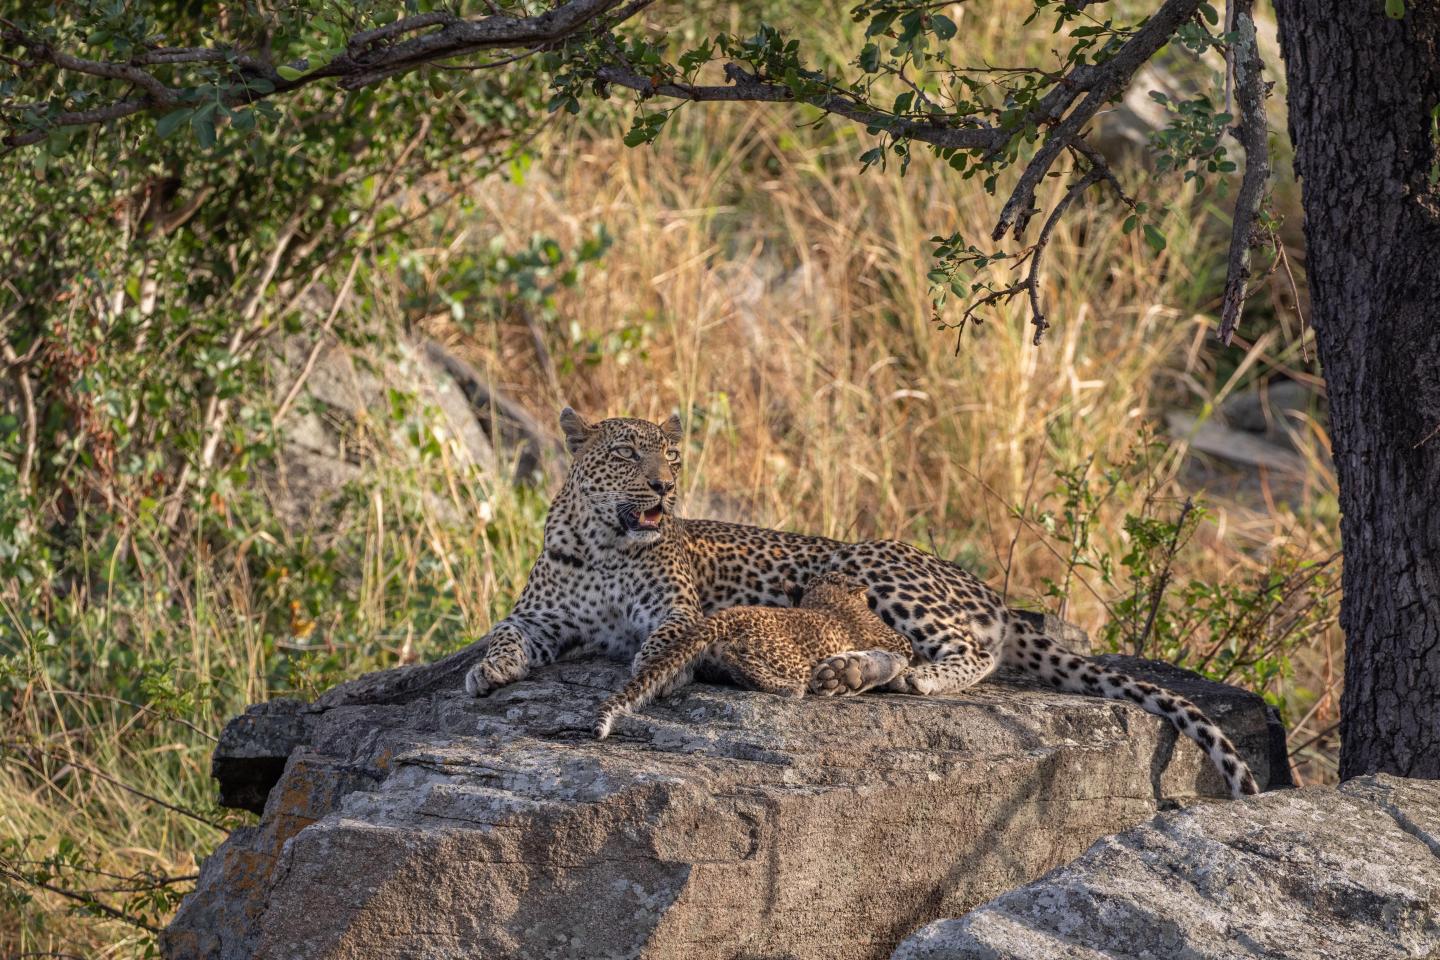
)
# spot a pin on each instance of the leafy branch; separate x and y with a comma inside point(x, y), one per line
point(942, 107)
point(979, 120)
point(363, 58)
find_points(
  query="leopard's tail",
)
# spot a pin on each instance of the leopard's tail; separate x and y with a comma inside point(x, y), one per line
point(656, 675)
point(1028, 648)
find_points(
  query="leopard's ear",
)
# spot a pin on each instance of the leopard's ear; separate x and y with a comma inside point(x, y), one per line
point(671, 428)
point(577, 430)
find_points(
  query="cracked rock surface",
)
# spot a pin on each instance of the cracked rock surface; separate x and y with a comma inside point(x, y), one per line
point(404, 819)
point(1347, 874)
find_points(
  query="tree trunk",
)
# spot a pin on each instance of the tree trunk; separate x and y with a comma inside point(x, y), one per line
point(1362, 88)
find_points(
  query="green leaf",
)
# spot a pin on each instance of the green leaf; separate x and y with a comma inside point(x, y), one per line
point(870, 58)
point(204, 127)
point(289, 73)
point(1155, 238)
point(942, 26)
point(1209, 14)
point(1395, 9)
point(166, 125)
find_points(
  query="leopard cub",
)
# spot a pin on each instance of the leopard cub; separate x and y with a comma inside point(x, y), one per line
point(832, 644)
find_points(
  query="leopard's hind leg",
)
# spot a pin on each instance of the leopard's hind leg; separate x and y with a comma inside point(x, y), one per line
point(763, 670)
point(855, 671)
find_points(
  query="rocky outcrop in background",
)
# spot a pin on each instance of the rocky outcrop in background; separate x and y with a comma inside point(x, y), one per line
point(344, 396)
point(409, 820)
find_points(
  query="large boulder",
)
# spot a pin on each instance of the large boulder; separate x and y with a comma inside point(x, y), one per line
point(409, 820)
point(1347, 874)
point(351, 399)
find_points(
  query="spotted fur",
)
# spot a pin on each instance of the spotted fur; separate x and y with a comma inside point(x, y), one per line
point(611, 579)
point(780, 650)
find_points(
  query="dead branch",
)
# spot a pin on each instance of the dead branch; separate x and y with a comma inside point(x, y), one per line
point(1031, 284)
point(1252, 132)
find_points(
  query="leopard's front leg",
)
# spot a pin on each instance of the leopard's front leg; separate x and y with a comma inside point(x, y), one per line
point(512, 649)
point(960, 664)
point(670, 631)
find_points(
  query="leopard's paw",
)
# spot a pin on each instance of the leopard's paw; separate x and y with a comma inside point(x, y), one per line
point(846, 674)
point(488, 676)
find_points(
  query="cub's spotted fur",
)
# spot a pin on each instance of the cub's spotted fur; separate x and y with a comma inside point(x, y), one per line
point(620, 572)
point(780, 650)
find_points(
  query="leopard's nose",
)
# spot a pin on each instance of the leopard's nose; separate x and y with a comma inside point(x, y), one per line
point(661, 487)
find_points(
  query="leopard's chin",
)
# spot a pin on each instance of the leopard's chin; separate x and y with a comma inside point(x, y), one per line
point(644, 537)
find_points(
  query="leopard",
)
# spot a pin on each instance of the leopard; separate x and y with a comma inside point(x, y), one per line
point(778, 649)
point(622, 574)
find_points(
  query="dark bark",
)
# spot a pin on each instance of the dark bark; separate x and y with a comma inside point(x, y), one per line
point(1362, 89)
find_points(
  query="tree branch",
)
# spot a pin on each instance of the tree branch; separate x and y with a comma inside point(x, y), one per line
point(89, 901)
point(744, 86)
point(370, 56)
point(1031, 284)
point(1253, 134)
point(1103, 84)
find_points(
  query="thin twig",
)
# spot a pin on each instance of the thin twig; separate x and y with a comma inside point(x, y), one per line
point(79, 694)
point(1024, 505)
point(319, 345)
point(1319, 736)
point(1157, 593)
point(1032, 283)
point(1040, 535)
point(84, 768)
point(90, 902)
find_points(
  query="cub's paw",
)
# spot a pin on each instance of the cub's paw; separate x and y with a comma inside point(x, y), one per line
point(846, 674)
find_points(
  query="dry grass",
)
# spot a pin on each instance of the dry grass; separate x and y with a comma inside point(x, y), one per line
point(778, 299)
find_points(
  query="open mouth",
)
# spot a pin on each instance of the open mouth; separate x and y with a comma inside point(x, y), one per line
point(643, 519)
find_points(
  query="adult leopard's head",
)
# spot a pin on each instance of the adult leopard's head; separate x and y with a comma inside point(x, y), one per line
point(624, 471)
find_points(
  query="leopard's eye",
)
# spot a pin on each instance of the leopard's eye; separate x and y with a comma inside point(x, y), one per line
point(672, 455)
point(624, 452)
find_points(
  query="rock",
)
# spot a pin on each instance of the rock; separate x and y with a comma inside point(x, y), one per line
point(1277, 409)
point(413, 821)
point(1347, 874)
point(1236, 446)
point(1123, 131)
point(352, 395)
